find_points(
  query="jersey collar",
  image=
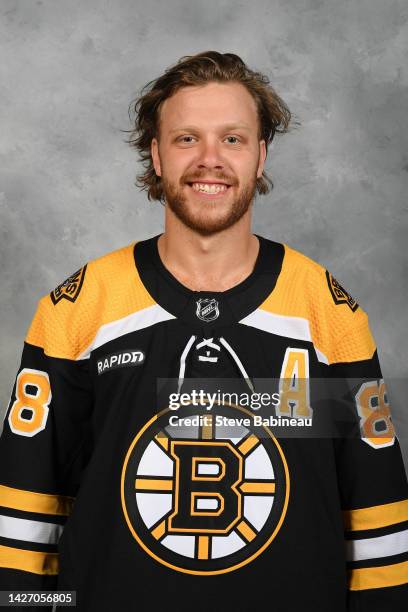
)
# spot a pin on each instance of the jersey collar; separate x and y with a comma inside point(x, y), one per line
point(208, 309)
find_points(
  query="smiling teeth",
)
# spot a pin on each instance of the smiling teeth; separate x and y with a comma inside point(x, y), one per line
point(209, 188)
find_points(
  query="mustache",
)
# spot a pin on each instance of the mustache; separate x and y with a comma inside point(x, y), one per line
point(219, 177)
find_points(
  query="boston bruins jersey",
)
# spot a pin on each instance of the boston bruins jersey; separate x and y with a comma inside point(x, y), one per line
point(109, 490)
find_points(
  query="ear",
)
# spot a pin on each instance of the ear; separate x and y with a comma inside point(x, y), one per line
point(262, 158)
point(154, 150)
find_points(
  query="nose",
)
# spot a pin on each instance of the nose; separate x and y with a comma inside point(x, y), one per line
point(210, 154)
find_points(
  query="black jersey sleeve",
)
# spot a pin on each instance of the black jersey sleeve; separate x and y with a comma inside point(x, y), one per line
point(373, 488)
point(44, 448)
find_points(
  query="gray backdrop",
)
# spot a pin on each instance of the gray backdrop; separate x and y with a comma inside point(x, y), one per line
point(68, 72)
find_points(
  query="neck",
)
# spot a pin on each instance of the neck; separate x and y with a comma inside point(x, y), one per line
point(209, 263)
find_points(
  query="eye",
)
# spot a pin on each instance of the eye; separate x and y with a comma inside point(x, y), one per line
point(234, 137)
point(183, 138)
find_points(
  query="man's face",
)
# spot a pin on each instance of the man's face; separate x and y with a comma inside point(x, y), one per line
point(209, 133)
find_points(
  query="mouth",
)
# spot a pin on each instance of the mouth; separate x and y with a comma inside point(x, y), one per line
point(213, 190)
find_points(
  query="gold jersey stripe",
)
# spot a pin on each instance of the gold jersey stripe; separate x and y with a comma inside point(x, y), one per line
point(159, 531)
point(258, 487)
point(29, 560)
point(153, 484)
point(35, 502)
point(376, 516)
point(163, 440)
point(247, 531)
point(207, 429)
point(378, 577)
point(248, 444)
point(203, 547)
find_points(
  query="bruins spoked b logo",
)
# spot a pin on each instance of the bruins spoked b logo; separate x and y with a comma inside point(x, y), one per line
point(204, 499)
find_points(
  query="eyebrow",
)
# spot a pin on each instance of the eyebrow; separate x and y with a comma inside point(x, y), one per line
point(228, 127)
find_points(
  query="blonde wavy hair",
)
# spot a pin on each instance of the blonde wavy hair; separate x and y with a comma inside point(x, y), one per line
point(273, 114)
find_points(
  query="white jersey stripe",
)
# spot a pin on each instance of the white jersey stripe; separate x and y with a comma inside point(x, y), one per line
point(281, 325)
point(373, 548)
point(137, 320)
point(30, 531)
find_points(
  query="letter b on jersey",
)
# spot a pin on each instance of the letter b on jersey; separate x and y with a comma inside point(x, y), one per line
point(206, 494)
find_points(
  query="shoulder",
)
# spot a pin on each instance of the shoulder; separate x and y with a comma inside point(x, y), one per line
point(103, 289)
point(307, 290)
point(97, 272)
point(307, 280)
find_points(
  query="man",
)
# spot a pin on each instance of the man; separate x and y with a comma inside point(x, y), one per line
point(109, 491)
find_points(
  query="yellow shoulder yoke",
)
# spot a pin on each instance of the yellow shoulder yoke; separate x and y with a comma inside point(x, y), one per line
point(68, 318)
point(339, 329)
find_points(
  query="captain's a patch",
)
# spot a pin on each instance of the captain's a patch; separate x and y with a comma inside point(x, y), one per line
point(340, 295)
point(70, 288)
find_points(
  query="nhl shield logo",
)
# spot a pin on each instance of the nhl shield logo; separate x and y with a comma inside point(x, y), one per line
point(207, 309)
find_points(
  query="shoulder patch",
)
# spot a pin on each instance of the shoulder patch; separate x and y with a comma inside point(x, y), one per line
point(340, 295)
point(70, 288)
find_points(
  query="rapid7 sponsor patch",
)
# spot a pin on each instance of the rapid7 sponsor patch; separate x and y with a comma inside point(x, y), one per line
point(120, 359)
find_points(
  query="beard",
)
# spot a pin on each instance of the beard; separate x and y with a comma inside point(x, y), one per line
point(207, 219)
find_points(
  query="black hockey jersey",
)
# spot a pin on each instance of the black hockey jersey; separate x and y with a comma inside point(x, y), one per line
point(137, 504)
